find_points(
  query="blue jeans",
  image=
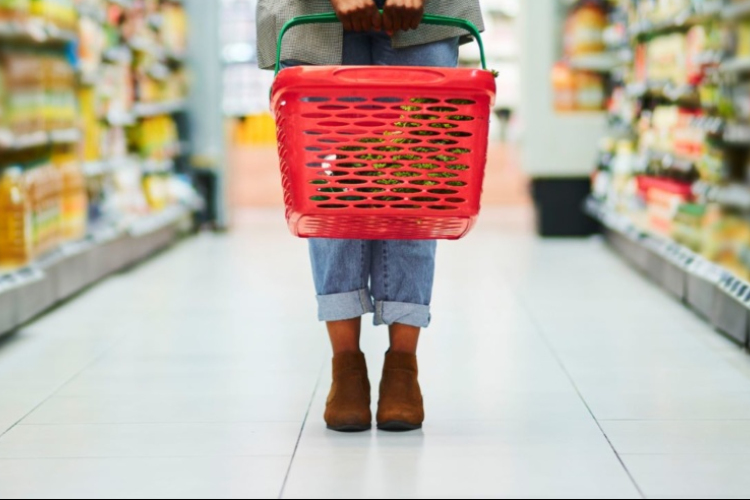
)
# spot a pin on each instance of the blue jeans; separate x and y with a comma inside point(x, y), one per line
point(393, 279)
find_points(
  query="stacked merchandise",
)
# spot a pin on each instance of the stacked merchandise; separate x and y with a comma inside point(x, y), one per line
point(42, 190)
point(580, 80)
point(89, 90)
point(677, 161)
point(246, 87)
point(133, 86)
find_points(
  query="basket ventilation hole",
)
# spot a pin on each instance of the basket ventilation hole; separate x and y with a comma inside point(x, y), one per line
point(315, 99)
point(332, 124)
point(370, 124)
point(370, 206)
point(424, 100)
point(370, 107)
point(351, 99)
point(442, 109)
point(460, 102)
point(388, 99)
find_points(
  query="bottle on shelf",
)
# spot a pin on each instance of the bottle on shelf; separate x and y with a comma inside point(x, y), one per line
point(15, 220)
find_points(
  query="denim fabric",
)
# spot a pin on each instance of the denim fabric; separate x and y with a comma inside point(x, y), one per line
point(393, 279)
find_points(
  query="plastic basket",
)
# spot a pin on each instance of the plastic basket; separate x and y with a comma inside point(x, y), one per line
point(382, 152)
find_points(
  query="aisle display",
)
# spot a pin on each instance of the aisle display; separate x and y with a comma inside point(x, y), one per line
point(675, 165)
point(90, 96)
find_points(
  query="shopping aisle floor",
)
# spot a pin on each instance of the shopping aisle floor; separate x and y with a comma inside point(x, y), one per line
point(552, 370)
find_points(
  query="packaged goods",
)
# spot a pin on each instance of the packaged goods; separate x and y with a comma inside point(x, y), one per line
point(584, 29)
point(15, 220)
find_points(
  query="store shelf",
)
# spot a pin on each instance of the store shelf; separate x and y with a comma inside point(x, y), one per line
point(682, 21)
point(148, 109)
point(737, 10)
point(27, 293)
point(686, 95)
point(600, 63)
point(737, 134)
point(34, 31)
point(17, 142)
point(734, 195)
point(104, 167)
point(710, 290)
point(736, 65)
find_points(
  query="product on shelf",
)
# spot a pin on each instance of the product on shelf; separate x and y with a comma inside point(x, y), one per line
point(683, 110)
point(15, 220)
point(584, 28)
point(113, 71)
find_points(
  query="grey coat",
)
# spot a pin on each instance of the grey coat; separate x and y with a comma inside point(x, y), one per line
point(322, 44)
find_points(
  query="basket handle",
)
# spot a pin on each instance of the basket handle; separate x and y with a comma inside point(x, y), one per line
point(331, 17)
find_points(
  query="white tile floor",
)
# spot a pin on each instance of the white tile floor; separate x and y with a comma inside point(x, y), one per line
point(552, 370)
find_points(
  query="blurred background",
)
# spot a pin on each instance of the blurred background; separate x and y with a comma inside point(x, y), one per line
point(127, 126)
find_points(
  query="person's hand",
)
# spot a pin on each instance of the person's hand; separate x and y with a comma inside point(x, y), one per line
point(402, 15)
point(358, 15)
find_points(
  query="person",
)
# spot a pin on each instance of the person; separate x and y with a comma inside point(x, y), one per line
point(392, 279)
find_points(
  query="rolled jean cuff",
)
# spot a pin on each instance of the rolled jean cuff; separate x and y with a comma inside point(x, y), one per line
point(389, 313)
point(343, 306)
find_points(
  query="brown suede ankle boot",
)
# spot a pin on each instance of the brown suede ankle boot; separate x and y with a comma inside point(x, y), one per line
point(348, 407)
point(401, 406)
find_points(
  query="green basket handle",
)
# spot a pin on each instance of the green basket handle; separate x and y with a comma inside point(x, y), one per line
point(331, 17)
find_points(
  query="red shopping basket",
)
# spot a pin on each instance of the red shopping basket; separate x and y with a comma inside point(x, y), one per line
point(382, 152)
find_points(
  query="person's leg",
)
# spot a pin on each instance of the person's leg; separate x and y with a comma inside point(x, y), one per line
point(404, 335)
point(402, 277)
point(341, 269)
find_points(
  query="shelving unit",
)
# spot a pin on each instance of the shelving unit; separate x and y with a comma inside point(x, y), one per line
point(671, 188)
point(28, 292)
point(121, 153)
point(712, 291)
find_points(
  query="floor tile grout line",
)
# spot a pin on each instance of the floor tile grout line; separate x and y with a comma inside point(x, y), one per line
point(540, 331)
point(95, 359)
point(301, 432)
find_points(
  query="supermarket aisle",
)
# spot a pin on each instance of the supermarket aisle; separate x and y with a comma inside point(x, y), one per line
point(551, 370)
